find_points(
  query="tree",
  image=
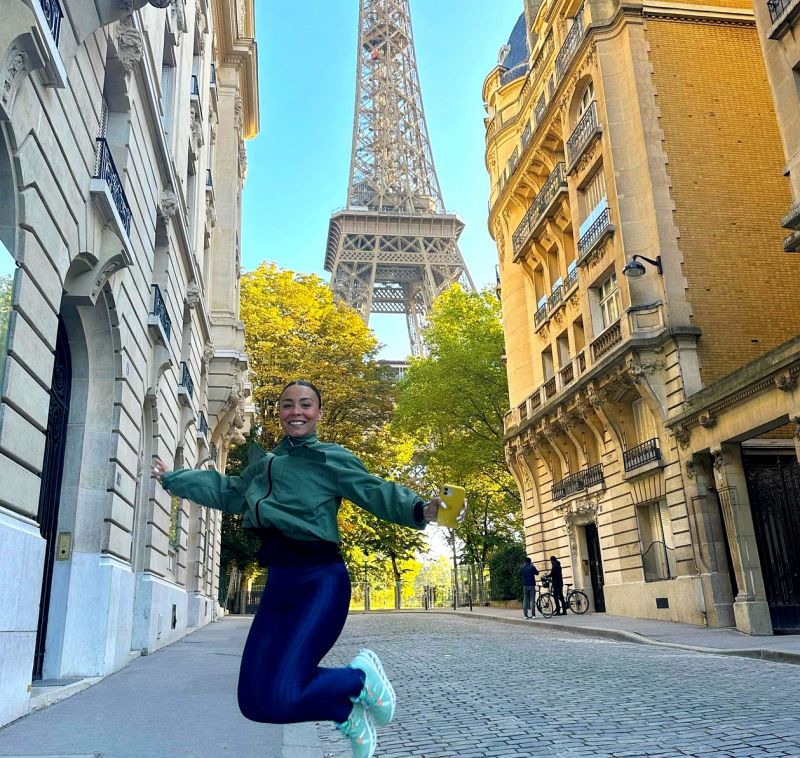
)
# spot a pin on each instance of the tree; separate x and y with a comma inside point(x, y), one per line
point(294, 329)
point(504, 566)
point(6, 284)
point(452, 403)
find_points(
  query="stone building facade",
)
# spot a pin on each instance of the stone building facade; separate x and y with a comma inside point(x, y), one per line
point(122, 163)
point(635, 162)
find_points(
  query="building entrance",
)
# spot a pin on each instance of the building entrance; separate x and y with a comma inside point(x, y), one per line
point(595, 567)
point(52, 471)
point(773, 484)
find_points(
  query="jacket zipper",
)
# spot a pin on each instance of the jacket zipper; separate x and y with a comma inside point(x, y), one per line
point(263, 498)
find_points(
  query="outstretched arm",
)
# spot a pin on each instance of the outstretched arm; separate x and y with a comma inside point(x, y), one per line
point(210, 488)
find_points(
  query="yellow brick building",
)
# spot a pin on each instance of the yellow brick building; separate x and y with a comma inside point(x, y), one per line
point(635, 167)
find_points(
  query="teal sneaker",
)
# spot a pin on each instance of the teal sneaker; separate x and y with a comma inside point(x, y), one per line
point(378, 694)
point(359, 729)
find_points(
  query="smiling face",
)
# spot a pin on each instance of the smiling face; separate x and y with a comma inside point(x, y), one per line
point(299, 411)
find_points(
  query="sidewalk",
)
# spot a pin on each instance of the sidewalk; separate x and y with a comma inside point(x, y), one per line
point(780, 648)
point(178, 701)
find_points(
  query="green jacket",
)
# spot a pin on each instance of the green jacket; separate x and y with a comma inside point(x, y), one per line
point(297, 488)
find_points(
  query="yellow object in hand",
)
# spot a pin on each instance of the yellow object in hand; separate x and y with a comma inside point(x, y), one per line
point(453, 497)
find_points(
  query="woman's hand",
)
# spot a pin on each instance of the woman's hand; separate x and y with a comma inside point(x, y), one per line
point(431, 510)
point(159, 468)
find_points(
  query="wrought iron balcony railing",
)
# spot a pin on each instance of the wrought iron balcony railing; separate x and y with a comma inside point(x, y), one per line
point(107, 171)
point(595, 232)
point(195, 86)
point(53, 15)
point(555, 299)
point(610, 337)
point(777, 9)
point(641, 454)
point(556, 182)
point(571, 43)
point(570, 280)
point(186, 380)
point(202, 425)
point(587, 127)
point(541, 315)
point(538, 111)
point(160, 310)
point(538, 67)
point(526, 135)
point(578, 482)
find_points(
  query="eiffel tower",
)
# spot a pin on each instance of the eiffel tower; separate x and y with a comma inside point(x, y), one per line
point(394, 248)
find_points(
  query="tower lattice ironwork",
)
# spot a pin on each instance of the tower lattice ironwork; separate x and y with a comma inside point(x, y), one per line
point(394, 248)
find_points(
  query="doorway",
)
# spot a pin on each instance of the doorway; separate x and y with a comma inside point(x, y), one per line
point(52, 473)
point(773, 485)
point(595, 566)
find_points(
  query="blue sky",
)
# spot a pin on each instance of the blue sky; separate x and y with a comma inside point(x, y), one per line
point(299, 164)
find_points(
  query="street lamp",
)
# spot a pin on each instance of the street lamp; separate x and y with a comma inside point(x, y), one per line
point(633, 269)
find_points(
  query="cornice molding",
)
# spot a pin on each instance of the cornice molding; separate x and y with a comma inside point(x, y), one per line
point(234, 25)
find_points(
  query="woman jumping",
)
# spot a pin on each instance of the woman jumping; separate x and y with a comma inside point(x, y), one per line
point(291, 497)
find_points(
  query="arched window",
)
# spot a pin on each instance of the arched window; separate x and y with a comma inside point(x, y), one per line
point(8, 265)
point(586, 99)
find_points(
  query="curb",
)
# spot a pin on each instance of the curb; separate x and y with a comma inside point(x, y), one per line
point(773, 656)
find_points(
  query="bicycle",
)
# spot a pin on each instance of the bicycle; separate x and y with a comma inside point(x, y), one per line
point(577, 600)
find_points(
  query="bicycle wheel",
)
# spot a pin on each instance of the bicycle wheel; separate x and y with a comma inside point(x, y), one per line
point(578, 601)
point(546, 605)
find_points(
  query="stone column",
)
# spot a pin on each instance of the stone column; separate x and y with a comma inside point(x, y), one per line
point(750, 604)
point(708, 542)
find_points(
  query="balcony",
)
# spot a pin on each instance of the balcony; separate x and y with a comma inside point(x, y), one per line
point(555, 184)
point(587, 129)
point(600, 228)
point(607, 340)
point(641, 455)
point(782, 13)
point(186, 385)
point(571, 44)
point(566, 375)
point(106, 171)
point(570, 280)
point(213, 80)
point(550, 388)
point(53, 15)
point(195, 87)
point(158, 321)
point(579, 482)
point(538, 111)
point(556, 298)
point(202, 428)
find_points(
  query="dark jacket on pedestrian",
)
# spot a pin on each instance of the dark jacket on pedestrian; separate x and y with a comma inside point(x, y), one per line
point(556, 577)
point(528, 573)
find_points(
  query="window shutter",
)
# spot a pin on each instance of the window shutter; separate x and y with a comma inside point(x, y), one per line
point(644, 420)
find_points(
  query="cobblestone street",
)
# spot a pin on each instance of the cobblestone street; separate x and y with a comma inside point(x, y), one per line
point(482, 688)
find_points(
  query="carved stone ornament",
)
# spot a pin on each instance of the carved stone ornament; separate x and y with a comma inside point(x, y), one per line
point(683, 435)
point(243, 158)
point(211, 215)
point(238, 112)
point(796, 421)
point(208, 352)
point(168, 204)
point(720, 461)
point(179, 14)
point(196, 127)
point(544, 333)
point(706, 420)
point(639, 368)
point(16, 60)
point(785, 382)
point(235, 437)
point(595, 396)
point(193, 294)
point(130, 44)
point(583, 510)
point(235, 395)
point(691, 468)
point(199, 19)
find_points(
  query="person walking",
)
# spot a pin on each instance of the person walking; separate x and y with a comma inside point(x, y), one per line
point(290, 496)
point(557, 582)
point(528, 573)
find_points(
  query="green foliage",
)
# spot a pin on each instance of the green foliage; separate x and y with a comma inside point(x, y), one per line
point(504, 566)
point(452, 404)
point(6, 284)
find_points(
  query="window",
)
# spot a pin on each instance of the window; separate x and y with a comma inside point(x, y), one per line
point(7, 271)
point(644, 421)
point(655, 539)
point(586, 99)
point(594, 196)
point(609, 301)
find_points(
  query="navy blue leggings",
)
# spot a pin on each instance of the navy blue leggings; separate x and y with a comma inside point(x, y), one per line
point(302, 613)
